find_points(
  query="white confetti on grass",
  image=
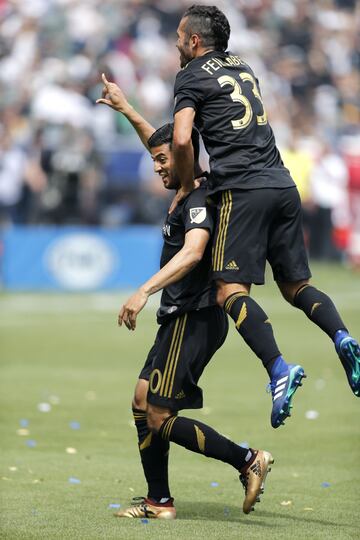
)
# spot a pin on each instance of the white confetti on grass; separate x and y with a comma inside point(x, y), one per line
point(286, 503)
point(44, 407)
point(70, 450)
point(311, 415)
point(13, 469)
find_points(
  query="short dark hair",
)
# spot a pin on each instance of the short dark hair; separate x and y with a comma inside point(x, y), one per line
point(164, 135)
point(210, 24)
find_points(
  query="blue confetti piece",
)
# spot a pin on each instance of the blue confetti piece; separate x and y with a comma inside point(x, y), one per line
point(226, 511)
point(145, 521)
point(73, 480)
point(214, 484)
point(31, 443)
point(74, 425)
point(24, 422)
point(114, 505)
point(325, 484)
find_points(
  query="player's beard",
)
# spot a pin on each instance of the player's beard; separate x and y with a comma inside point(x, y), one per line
point(185, 57)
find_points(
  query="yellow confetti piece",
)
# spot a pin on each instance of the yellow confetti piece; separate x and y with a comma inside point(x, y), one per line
point(13, 469)
point(70, 450)
point(23, 432)
point(308, 509)
point(36, 481)
point(91, 395)
point(295, 475)
point(132, 489)
point(286, 503)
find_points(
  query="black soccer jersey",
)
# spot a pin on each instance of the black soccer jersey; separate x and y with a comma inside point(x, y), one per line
point(195, 290)
point(231, 118)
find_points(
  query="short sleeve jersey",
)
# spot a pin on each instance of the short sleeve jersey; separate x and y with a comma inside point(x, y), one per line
point(230, 115)
point(195, 290)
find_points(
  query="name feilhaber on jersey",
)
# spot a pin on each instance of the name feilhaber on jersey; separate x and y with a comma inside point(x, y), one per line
point(212, 65)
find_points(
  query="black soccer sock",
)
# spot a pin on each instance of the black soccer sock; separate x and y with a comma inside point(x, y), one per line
point(154, 453)
point(320, 309)
point(253, 325)
point(202, 439)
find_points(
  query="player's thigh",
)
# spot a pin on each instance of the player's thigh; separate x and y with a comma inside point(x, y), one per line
point(240, 240)
point(188, 344)
point(287, 253)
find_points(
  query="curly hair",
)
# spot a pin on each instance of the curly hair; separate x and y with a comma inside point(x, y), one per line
point(210, 24)
point(164, 135)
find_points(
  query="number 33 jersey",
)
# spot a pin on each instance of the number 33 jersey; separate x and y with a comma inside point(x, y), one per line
point(231, 117)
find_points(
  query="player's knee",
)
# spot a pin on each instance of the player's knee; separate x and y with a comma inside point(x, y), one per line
point(156, 418)
point(224, 290)
point(289, 290)
point(139, 400)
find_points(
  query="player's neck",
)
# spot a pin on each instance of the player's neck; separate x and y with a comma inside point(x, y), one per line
point(201, 51)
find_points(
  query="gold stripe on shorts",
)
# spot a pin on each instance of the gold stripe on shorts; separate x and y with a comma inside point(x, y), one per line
point(174, 347)
point(177, 354)
point(218, 252)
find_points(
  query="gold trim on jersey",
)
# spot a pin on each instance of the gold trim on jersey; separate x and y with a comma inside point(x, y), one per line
point(219, 248)
point(173, 357)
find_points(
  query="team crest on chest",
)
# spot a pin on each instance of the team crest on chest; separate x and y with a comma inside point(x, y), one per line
point(197, 215)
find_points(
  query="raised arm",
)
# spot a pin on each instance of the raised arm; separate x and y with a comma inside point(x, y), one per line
point(185, 260)
point(114, 97)
point(183, 149)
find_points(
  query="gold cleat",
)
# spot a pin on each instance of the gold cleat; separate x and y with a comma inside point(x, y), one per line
point(144, 509)
point(253, 479)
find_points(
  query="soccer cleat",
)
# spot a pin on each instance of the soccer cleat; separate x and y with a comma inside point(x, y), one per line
point(253, 479)
point(349, 353)
point(145, 508)
point(283, 387)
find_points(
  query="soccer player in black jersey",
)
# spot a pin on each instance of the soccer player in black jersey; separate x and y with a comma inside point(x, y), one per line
point(258, 205)
point(192, 328)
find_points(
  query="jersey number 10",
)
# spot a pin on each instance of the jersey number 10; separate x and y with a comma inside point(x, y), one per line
point(238, 97)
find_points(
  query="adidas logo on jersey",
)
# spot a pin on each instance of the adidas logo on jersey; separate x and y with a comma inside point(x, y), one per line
point(231, 266)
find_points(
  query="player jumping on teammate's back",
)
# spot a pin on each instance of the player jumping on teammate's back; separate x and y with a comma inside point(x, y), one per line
point(192, 328)
point(258, 205)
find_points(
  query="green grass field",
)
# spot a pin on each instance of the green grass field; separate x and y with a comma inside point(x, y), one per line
point(66, 350)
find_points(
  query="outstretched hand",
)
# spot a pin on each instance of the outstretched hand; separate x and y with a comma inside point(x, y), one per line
point(113, 96)
point(131, 308)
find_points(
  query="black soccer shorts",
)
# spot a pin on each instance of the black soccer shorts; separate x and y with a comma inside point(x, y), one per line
point(182, 349)
point(256, 225)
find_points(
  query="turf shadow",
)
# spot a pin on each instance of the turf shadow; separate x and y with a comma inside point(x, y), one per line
point(210, 511)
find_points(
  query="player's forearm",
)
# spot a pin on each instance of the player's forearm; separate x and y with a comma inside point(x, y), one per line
point(184, 164)
point(180, 265)
point(141, 126)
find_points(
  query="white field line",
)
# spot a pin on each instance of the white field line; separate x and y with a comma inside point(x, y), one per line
point(96, 304)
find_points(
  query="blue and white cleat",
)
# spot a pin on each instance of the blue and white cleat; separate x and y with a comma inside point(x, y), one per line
point(349, 353)
point(283, 386)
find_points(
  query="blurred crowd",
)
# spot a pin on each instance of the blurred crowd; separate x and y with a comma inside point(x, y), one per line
point(65, 160)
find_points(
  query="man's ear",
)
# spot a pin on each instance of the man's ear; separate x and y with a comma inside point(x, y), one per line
point(195, 41)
